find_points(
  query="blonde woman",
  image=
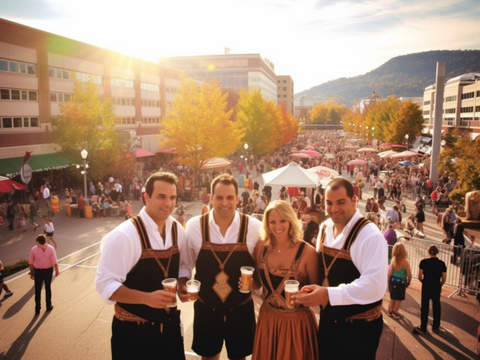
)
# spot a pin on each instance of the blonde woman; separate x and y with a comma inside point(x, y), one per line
point(399, 278)
point(284, 332)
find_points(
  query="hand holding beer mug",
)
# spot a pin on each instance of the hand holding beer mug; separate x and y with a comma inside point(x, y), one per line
point(247, 275)
point(170, 285)
point(193, 287)
point(291, 288)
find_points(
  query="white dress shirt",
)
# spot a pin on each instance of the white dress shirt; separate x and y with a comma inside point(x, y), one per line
point(369, 255)
point(194, 239)
point(46, 192)
point(121, 250)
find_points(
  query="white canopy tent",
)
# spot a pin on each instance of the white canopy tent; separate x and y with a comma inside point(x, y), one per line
point(291, 175)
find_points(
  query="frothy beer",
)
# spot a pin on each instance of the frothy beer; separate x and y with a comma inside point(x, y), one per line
point(247, 274)
point(170, 285)
point(291, 288)
point(193, 287)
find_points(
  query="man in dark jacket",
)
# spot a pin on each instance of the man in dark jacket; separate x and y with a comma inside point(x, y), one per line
point(311, 229)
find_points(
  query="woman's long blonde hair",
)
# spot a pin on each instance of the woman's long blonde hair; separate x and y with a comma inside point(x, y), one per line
point(286, 211)
point(399, 253)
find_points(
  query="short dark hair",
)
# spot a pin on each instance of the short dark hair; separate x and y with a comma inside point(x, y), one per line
point(432, 250)
point(41, 239)
point(225, 179)
point(340, 182)
point(160, 176)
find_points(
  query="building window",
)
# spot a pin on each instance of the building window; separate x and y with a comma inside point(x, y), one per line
point(450, 111)
point(477, 108)
point(67, 75)
point(149, 87)
point(426, 102)
point(18, 122)
point(451, 98)
point(60, 97)
point(17, 67)
point(284, 81)
point(469, 95)
point(467, 109)
point(125, 121)
point(17, 95)
point(122, 83)
point(151, 120)
point(123, 101)
point(426, 112)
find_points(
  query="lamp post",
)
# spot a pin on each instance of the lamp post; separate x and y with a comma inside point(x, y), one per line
point(406, 137)
point(373, 134)
point(84, 154)
point(245, 146)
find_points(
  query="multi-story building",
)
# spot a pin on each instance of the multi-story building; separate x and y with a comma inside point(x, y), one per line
point(36, 70)
point(285, 91)
point(232, 71)
point(461, 104)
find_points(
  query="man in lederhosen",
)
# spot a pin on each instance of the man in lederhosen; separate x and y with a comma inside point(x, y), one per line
point(353, 271)
point(219, 243)
point(136, 256)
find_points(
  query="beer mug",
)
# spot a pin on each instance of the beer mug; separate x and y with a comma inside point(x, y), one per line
point(247, 275)
point(291, 288)
point(170, 285)
point(193, 287)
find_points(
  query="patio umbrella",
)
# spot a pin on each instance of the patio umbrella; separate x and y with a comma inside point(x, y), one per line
point(406, 163)
point(367, 150)
point(300, 155)
point(326, 165)
point(309, 147)
point(290, 175)
point(215, 163)
point(312, 153)
point(386, 153)
point(351, 147)
point(7, 185)
point(357, 162)
point(405, 154)
point(324, 172)
point(294, 149)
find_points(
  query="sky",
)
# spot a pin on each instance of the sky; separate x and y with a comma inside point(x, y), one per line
point(313, 41)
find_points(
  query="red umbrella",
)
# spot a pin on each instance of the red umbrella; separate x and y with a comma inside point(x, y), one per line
point(310, 147)
point(357, 162)
point(7, 185)
point(311, 153)
point(300, 155)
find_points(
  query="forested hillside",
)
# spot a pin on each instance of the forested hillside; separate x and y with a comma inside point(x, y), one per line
point(406, 75)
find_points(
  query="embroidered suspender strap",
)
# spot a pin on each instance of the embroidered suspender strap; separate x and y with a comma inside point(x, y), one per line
point(142, 232)
point(242, 233)
point(359, 225)
point(370, 315)
point(204, 227)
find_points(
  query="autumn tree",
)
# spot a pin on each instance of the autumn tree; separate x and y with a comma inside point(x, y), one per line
point(88, 123)
point(198, 125)
point(287, 123)
point(380, 115)
point(408, 120)
point(257, 121)
point(465, 168)
point(328, 113)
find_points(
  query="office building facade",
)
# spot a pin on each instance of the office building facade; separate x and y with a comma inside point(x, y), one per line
point(285, 92)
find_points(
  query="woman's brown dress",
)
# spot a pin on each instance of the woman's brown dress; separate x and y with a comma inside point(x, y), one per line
point(283, 333)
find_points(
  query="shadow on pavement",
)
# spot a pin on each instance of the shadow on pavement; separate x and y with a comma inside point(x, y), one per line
point(20, 303)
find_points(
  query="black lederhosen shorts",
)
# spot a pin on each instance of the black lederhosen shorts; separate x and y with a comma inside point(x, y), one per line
point(211, 327)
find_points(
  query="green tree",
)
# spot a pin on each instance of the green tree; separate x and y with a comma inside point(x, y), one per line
point(257, 122)
point(88, 123)
point(198, 125)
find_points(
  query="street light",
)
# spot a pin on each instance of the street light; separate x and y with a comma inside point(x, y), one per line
point(406, 137)
point(245, 146)
point(84, 154)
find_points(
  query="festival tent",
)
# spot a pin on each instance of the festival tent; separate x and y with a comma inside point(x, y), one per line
point(7, 185)
point(405, 154)
point(291, 175)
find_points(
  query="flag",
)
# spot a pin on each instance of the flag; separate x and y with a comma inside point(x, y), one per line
point(27, 157)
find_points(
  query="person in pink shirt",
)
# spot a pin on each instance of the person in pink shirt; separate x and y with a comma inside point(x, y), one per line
point(42, 260)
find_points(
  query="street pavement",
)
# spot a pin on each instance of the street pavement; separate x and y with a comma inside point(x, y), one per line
point(79, 325)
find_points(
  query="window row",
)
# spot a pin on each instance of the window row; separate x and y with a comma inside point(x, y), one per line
point(123, 101)
point(18, 122)
point(124, 120)
point(469, 95)
point(153, 103)
point(467, 109)
point(60, 97)
point(149, 87)
point(171, 90)
point(17, 67)
point(69, 74)
point(122, 82)
point(151, 120)
point(426, 112)
point(18, 95)
point(450, 111)
point(451, 98)
point(426, 102)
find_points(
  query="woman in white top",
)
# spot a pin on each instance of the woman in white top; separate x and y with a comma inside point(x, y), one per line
point(49, 229)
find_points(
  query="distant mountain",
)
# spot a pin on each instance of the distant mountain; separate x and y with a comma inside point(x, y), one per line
point(406, 75)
